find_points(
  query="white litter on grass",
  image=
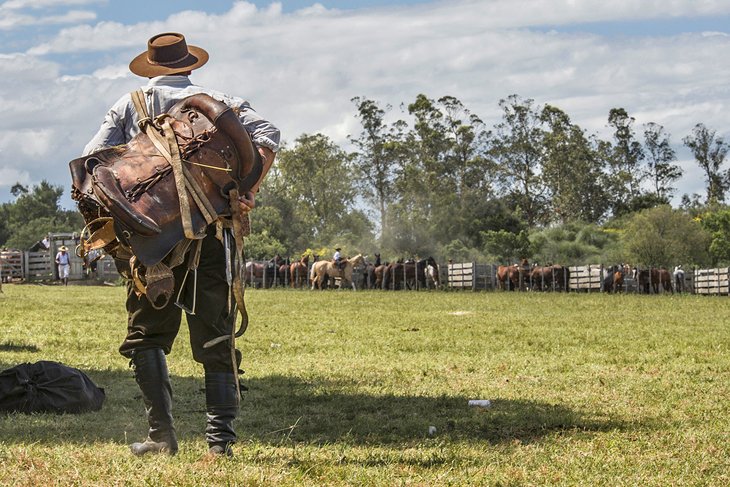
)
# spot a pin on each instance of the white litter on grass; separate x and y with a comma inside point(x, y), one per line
point(460, 313)
point(480, 403)
point(431, 430)
point(276, 345)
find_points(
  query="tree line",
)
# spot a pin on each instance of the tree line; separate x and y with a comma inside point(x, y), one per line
point(438, 181)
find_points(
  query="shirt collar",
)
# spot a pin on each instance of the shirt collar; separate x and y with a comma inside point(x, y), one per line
point(176, 81)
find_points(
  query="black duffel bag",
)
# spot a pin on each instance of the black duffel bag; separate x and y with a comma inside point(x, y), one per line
point(48, 387)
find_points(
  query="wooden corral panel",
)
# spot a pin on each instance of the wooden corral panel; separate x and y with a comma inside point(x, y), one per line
point(11, 265)
point(39, 266)
point(461, 275)
point(586, 277)
point(470, 275)
point(712, 281)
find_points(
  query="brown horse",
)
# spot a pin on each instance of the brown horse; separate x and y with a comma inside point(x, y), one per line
point(665, 280)
point(368, 276)
point(262, 273)
point(503, 280)
point(325, 270)
point(651, 279)
point(411, 274)
point(511, 277)
point(549, 278)
point(298, 272)
point(379, 273)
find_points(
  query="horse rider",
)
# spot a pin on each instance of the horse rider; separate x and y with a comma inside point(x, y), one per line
point(167, 63)
point(337, 259)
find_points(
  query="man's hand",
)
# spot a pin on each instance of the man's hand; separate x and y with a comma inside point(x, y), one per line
point(247, 201)
point(267, 156)
point(266, 153)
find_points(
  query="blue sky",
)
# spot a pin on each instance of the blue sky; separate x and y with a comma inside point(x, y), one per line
point(643, 28)
point(64, 62)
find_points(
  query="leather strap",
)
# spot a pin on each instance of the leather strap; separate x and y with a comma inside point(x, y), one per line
point(204, 204)
point(177, 171)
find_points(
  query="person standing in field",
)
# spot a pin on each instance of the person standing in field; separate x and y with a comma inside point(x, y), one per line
point(167, 63)
point(64, 264)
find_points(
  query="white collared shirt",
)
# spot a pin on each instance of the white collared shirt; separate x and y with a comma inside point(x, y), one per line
point(161, 93)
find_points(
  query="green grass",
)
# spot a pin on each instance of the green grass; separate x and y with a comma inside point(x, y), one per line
point(586, 390)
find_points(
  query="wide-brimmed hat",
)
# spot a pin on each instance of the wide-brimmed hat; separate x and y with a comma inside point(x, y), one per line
point(168, 53)
point(63, 248)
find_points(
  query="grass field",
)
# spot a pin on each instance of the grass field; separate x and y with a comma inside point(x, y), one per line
point(585, 390)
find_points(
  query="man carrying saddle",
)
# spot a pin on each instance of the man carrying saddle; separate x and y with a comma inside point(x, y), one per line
point(209, 239)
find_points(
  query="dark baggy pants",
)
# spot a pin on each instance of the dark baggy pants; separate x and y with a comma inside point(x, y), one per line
point(152, 328)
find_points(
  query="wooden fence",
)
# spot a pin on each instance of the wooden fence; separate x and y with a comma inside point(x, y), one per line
point(712, 281)
point(470, 275)
point(591, 278)
point(587, 278)
point(41, 266)
point(11, 265)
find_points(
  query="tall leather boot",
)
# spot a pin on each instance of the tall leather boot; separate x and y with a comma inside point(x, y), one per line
point(221, 400)
point(150, 372)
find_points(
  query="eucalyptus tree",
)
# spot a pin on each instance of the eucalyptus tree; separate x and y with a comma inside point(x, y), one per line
point(466, 161)
point(517, 146)
point(709, 151)
point(319, 182)
point(625, 165)
point(377, 158)
point(421, 190)
point(572, 170)
point(443, 183)
point(659, 157)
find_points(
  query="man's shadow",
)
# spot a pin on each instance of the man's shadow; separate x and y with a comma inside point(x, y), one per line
point(280, 409)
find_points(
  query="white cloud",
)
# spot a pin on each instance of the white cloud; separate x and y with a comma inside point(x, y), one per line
point(301, 69)
point(12, 20)
point(9, 176)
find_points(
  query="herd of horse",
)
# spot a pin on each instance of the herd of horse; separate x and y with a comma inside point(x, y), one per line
point(524, 276)
point(403, 274)
point(424, 273)
point(647, 280)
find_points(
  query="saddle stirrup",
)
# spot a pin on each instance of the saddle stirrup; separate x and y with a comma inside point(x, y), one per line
point(193, 262)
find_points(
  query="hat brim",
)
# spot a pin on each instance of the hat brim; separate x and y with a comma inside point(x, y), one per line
point(141, 66)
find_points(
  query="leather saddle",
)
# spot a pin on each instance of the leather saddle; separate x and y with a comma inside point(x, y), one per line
point(170, 181)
